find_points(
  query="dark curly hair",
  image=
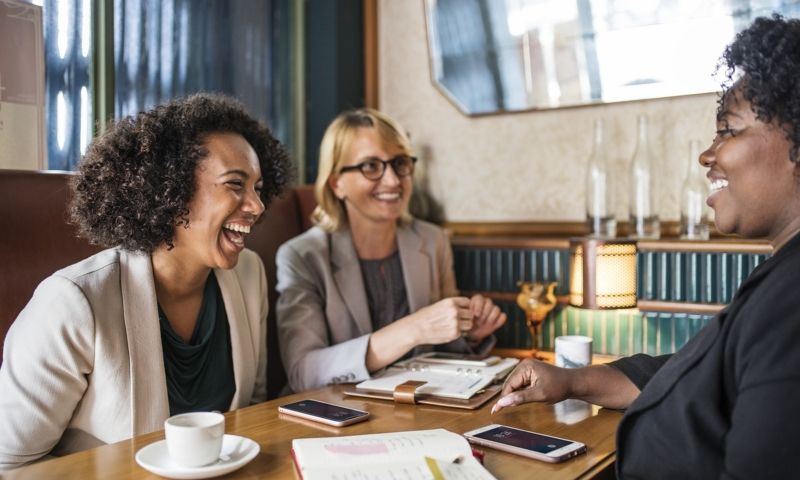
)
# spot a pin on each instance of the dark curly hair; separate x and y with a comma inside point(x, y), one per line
point(767, 54)
point(137, 178)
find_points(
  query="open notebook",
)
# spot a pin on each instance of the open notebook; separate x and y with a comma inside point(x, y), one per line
point(424, 454)
point(441, 380)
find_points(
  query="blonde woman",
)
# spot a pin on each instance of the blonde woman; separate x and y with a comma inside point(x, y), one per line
point(369, 284)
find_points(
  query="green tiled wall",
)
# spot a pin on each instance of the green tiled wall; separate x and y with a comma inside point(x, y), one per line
point(668, 276)
point(693, 277)
point(617, 332)
point(498, 270)
point(668, 332)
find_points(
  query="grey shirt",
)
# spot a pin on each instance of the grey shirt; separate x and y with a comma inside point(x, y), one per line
point(386, 290)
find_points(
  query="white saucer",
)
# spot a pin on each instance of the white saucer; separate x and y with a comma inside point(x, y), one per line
point(236, 453)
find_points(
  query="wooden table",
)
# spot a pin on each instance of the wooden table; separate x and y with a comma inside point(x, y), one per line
point(274, 432)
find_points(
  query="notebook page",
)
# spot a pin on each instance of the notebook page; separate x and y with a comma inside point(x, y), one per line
point(379, 449)
point(420, 468)
point(497, 370)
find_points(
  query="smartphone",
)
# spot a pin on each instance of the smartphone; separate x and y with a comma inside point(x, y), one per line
point(458, 359)
point(525, 443)
point(326, 413)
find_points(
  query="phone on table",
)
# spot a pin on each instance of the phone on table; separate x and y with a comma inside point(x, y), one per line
point(323, 412)
point(459, 359)
point(525, 443)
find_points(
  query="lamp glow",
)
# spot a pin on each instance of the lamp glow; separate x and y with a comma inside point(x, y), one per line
point(602, 273)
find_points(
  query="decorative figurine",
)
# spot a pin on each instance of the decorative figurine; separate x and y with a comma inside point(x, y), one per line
point(537, 300)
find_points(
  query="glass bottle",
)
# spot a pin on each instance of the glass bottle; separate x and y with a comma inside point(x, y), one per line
point(600, 208)
point(694, 214)
point(644, 222)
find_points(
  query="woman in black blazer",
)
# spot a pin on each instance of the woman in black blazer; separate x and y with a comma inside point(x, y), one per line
point(725, 405)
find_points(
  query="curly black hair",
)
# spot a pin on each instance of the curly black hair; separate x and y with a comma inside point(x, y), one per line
point(137, 178)
point(767, 54)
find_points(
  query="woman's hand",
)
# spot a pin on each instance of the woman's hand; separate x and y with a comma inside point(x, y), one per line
point(487, 317)
point(535, 381)
point(442, 322)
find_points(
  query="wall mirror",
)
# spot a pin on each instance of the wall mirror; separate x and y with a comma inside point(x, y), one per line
point(490, 56)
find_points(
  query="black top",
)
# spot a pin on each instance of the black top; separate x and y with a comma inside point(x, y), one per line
point(386, 290)
point(725, 405)
point(200, 373)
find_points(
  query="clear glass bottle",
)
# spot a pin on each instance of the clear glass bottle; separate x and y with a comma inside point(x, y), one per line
point(694, 192)
point(600, 208)
point(643, 204)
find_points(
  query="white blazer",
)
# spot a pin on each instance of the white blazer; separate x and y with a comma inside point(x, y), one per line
point(83, 364)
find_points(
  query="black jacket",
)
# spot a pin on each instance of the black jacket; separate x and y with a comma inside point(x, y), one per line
point(727, 405)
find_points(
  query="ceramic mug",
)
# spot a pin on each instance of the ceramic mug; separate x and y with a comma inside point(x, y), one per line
point(195, 439)
point(573, 351)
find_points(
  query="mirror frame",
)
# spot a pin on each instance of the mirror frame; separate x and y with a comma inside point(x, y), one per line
point(793, 11)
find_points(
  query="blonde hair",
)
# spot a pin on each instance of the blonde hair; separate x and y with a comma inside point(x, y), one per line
point(330, 213)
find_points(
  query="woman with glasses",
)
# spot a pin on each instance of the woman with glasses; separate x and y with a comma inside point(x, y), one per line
point(369, 284)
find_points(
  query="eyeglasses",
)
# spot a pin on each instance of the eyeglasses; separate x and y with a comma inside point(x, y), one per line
point(374, 168)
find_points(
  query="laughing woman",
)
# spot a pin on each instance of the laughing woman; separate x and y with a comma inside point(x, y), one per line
point(725, 405)
point(171, 318)
point(368, 284)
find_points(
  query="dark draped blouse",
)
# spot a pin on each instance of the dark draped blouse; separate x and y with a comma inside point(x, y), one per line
point(200, 373)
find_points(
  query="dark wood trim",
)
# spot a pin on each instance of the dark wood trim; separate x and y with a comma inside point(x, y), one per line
point(371, 53)
point(642, 305)
point(502, 296)
point(716, 245)
point(512, 352)
point(670, 230)
point(547, 355)
point(556, 235)
point(511, 296)
point(511, 242)
point(518, 229)
point(679, 307)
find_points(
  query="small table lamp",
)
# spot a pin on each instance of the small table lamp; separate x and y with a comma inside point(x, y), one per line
point(602, 273)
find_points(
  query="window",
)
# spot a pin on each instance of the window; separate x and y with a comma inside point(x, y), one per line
point(68, 94)
point(170, 48)
point(164, 49)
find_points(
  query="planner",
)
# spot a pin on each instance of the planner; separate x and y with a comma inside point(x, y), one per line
point(425, 454)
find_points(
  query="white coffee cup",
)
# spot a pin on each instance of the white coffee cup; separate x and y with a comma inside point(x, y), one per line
point(573, 351)
point(195, 439)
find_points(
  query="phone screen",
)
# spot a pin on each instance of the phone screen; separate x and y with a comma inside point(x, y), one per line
point(323, 410)
point(523, 439)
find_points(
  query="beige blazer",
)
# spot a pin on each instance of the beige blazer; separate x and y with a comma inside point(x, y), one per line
point(83, 364)
point(323, 315)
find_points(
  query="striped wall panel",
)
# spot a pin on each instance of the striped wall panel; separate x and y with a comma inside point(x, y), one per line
point(668, 332)
point(693, 277)
point(498, 270)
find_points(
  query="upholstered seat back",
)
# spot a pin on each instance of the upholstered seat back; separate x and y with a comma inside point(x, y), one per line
point(36, 239)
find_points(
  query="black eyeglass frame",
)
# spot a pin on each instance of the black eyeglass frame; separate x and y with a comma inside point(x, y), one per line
point(385, 163)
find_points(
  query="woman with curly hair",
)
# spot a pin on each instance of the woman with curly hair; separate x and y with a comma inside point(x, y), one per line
point(171, 317)
point(369, 284)
point(725, 405)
